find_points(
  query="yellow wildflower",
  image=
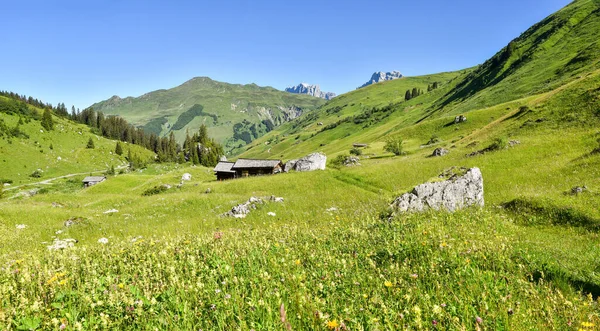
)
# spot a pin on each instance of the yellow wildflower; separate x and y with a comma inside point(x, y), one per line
point(298, 262)
point(332, 324)
point(388, 283)
point(121, 285)
point(587, 324)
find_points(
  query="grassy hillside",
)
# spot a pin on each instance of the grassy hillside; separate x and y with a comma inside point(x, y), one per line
point(56, 153)
point(220, 106)
point(331, 256)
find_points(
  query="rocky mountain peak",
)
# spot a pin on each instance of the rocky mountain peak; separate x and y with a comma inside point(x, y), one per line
point(314, 90)
point(381, 76)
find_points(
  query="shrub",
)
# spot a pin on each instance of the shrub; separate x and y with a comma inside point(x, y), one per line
point(155, 190)
point(356, 151)
point(498, 144)
point(36, 174)
point(6, 181)
point(434, 139)
point(1, 193)
point(90, 144)
point(394, 145)
point(339, 160)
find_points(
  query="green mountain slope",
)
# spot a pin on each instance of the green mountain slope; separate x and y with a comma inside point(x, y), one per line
point(234, 114)
point(58, 152)
point(562, 49)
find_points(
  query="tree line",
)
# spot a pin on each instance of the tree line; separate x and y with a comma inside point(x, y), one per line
point(198, 149)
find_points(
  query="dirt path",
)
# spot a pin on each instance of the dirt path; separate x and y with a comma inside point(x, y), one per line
point(50, 180)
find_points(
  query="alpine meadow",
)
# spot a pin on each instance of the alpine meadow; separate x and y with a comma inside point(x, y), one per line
point(116, 217)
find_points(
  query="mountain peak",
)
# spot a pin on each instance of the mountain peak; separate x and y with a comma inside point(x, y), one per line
point(313, 90)
point(381, 76)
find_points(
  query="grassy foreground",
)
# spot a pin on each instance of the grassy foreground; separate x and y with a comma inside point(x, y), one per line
point(471, 270)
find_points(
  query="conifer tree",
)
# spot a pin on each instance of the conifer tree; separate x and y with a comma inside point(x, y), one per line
point(90, 144)
point(407, 96)
point(119, 148)
point(47, 122)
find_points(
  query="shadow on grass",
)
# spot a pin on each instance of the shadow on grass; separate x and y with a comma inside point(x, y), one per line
point(563, 280)
point(532, 212)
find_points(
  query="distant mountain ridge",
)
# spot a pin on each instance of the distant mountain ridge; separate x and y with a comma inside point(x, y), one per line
point(313, 90)
point(235, 114)
point(381, 76)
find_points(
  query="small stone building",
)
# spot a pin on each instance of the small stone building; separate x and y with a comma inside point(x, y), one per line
point(93, 180)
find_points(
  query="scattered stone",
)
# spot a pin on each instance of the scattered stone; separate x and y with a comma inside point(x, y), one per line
point(312, 162)
point(58, 232)
point(275, 199)
point(332, 209)
point(578, 190)
point(440, 152)
point(208, 190)
point(186, 176)
point(457, 192)
point(243, 209)
point(513, 143)
point(111, 211)
point(73, 221)
point(21, 226)
point(167, 186)
point(271, 213)
point(460, 119)
point(103, 241)
point(57, 205)
point(351, 161)
point(59, 244)
point(59, 158)
point(6, 184)
point(180, 185)
point(319, 123)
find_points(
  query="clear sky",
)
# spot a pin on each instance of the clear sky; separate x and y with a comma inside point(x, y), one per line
point(80, 52)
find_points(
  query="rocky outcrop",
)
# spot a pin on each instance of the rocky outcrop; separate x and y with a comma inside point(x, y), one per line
point(312, 162)
point(313, 90)
point(382, 76)
point(243, 209)
point(463, 188)
point(460, 119)
point(351, 161)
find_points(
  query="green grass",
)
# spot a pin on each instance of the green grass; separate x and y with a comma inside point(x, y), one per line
point(528, 260)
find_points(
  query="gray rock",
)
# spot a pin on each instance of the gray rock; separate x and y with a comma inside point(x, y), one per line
point(290, 165)
point(460, 119)
point(578, 190)
point(459, 191)
point(312, 162)
point(167, 186)
point(275, 199)
point(440, 152)
point(186, 176)
point(243, 209)
point(352, 161)
point(223, 158)
point(513, 143)
point(208, 190)
point(382, 76)
point(313, 90)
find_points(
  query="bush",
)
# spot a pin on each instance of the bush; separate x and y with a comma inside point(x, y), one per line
point(434, 139)
point(394, 145)
point(90, 144)
point(36, 174)
point(6, 181)
point(155, 190)
point(339, 161)
point(498, 144)
point(356, 151)
point(111, 171)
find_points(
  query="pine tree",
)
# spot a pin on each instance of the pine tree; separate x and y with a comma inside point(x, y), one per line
point(90, 144)
point(407, 96)
point(47, 122)
point(415, 93)
point(119, 148)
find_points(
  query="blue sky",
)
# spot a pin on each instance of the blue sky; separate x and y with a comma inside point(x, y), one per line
point(81, 52)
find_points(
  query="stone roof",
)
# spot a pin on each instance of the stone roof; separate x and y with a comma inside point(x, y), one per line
point(224, 167)
point(89, 179)
point(251, 163)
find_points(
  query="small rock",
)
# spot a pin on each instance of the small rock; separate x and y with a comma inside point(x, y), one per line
point(111, 211)
point(21, 226)
point(167, 186)
point(186, 176)
point(57, 205)
point(6, 185)
point(59, 158)
point(275, 199)
point(58, 232)
point(271, 213)
point(513, 143)
point(440, 152)
point(103, 241)
point(332, 209)
point(208, 190)
point(578, 190)
point(352, 161)
point(460, 119)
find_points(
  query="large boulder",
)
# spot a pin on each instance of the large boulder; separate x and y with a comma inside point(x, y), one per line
point(312, 162)
point(290, 165)
point(462, 189)
point(460, 119)
point(440, 152)
point(186, 176)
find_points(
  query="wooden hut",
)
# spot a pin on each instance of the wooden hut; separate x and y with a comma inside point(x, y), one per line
point(93, 180)
point(223, 170)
